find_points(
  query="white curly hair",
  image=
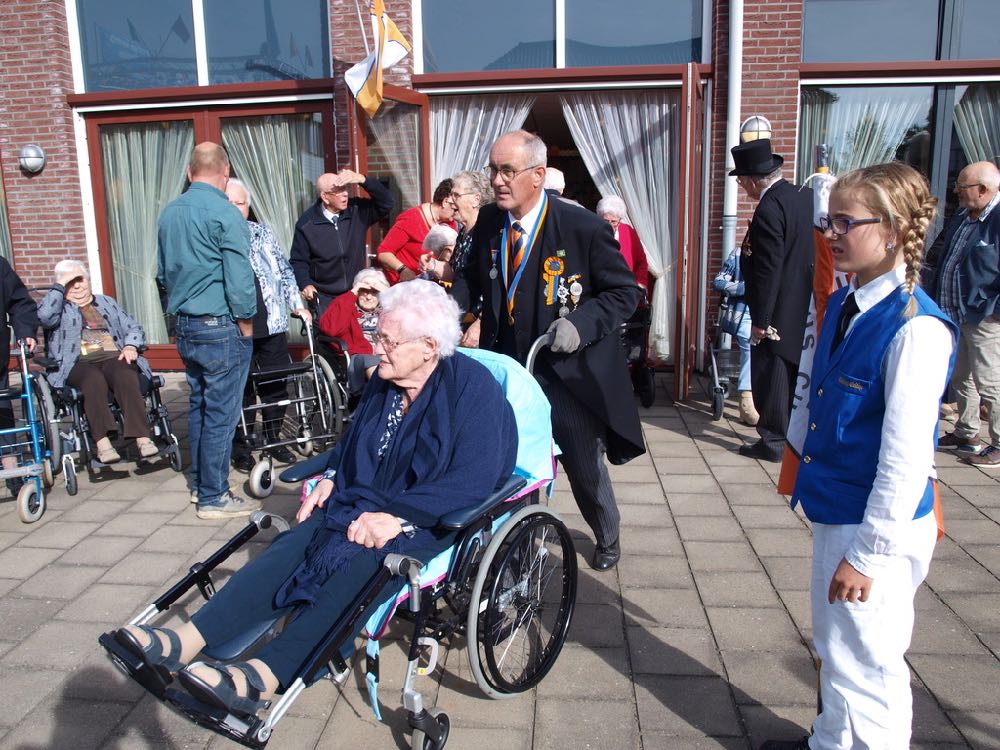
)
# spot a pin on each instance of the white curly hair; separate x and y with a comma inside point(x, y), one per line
point(423, 308)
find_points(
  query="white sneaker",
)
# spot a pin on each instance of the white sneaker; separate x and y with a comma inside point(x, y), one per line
point(228, 506)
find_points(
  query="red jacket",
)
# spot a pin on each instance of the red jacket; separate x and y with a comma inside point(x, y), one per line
point(635, 255)
point(341, 320)
point(405, 240)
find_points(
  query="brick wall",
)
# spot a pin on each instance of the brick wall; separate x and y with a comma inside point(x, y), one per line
point(772, 44)
point(43, 209)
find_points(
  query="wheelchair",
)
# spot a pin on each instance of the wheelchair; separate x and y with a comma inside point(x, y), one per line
point(315, 412)
point(68, 429)
point(508, 585)
point(635, 339)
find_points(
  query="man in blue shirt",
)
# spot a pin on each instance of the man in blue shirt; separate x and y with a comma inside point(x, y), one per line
point(203, 249)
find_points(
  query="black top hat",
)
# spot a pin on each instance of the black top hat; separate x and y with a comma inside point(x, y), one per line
point(754, 159)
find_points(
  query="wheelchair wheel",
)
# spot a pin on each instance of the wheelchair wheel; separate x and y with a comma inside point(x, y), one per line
point(176, 459)
point(329, 400)
point(306, 447)
point(69, 474)
point(47, 477)
point(420, 741)
point(30, 502)
point(45, 412)
point(522, 602)
point(261, 482)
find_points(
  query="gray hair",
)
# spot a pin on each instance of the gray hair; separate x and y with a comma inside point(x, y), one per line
point(439, 236)
point(477, 182)
point(423, 308)
point(371, 278)
point(68, 266)
point(765, 181)
point(240, 184)
point(532, 145)
point(554, 180)
point(613, 205)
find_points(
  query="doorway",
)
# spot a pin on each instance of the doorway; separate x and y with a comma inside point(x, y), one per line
point(547, 121)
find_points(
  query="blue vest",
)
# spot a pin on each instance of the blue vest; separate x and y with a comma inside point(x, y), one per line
point(846, 410)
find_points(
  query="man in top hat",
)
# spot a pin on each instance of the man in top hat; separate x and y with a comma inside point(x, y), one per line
point(777, 259)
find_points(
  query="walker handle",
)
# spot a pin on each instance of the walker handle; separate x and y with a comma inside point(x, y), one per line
point(544, 340)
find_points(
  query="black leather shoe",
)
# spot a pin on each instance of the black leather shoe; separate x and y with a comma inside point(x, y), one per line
point(243, 462)
point(802, 744)
point(282, 455)
point(605, 558)
point(761, 452)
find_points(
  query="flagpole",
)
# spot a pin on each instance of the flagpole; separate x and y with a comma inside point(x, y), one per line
point(361, 23)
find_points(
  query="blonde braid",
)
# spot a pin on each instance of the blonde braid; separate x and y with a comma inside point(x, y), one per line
point(914, 237)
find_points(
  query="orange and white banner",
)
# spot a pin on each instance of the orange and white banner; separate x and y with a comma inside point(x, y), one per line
point(365, 79)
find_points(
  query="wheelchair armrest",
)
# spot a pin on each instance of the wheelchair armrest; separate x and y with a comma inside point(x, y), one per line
point(459, 519)
point(302, 470)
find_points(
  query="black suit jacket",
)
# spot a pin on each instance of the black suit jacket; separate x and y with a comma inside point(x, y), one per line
point(596, 374)
point(778, 261)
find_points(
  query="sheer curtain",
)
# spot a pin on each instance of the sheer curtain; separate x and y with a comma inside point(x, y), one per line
point(279, 157)
point(393, 138)
point(144, 169)
point(464, 127)
point(977, 122)
point(630, 142)
point(863, 126)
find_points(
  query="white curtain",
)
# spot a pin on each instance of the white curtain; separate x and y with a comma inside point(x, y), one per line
point(144, 169)
point(977, 122)
point(464, 127)
point(630, 142)
point(863, 126)
point(279, 157)
point(394, 146)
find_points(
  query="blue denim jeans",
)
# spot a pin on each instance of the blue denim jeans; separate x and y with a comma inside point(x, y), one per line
point(217, 360)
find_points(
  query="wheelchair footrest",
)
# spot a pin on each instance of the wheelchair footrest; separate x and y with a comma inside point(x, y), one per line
point(239, 729)
point(151, 679)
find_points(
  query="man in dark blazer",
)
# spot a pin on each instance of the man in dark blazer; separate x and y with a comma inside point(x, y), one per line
point(573, 282)
point(777, 260)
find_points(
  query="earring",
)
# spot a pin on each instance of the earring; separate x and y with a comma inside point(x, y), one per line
point(890, 246)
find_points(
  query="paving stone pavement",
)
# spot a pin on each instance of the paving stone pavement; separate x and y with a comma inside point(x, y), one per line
point(698, 639)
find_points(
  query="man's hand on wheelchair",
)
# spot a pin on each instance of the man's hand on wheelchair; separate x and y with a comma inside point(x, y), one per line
point(129, 354)
point(374, 529)
point(315, 499)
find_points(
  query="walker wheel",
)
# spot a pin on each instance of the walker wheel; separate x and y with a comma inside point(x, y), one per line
point(176, 460)
point(718, 403)
point(47, 476)
point(30, 502)
point(69, 474)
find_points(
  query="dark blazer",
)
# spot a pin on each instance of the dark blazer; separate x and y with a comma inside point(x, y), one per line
point(778, 260)
point(328, 256)
point(18, 311)
point(596, 374)
point(978, 266)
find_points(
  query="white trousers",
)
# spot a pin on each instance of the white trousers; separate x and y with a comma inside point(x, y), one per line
point(864, 679)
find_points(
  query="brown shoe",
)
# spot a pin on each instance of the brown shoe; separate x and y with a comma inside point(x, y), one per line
point(988, 458)
point(951, 441)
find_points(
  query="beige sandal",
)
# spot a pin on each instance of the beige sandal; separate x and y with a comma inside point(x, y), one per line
point(147, 448)
point(106, 452)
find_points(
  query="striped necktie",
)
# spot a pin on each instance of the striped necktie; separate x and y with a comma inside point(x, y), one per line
point(517, 247)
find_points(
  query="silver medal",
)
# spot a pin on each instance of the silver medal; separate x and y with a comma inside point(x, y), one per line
point(563, 311)
point(576, 289)
point(493, 272)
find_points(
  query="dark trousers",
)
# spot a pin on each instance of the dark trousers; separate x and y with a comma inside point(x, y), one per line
point(772, 380)
point(6, 409)
point(581, 436)
point(248, 598)
point(94, 380)
point(268, 351)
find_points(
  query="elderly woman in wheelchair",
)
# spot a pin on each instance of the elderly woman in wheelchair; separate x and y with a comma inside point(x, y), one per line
point(432, 435)
point(95, 345)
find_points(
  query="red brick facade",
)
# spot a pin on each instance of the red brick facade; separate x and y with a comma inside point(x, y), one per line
point(36, 74)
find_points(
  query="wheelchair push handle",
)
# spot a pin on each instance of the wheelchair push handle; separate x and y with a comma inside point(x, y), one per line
point(537, 345)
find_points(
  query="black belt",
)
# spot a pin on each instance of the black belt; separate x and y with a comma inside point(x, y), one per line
point(204, 318)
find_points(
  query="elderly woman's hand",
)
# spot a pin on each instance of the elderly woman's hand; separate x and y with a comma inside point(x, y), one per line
point(129, 353)
point(374, 529)
point(315, 499)
point(66, 277)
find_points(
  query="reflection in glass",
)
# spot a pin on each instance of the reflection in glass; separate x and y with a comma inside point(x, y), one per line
point(248, 41)
point(128, 45)
point(887, 30)
point(865, 125)
point(459, 35)
point(978, 24)
point(643, 32)
point(144, 169)
point(977, 121)
point(393, 139)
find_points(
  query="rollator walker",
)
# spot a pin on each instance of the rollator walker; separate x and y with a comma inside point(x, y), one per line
point(508, 585)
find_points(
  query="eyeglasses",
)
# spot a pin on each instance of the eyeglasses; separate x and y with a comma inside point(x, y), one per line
point(240, 203)
point(369, 292)
point(959, 186)
point(390, 345)
point(506, 173)
point(840, 225)
point(456, 196)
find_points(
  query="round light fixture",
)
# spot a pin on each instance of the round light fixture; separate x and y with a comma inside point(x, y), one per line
point(755, 128)
point(32, 159)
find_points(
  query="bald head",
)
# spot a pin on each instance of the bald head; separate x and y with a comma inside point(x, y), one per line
point(209, 163)
point(977, 184)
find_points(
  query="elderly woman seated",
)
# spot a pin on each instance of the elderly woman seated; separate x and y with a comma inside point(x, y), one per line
point(95, 344)
point(353, 318)
point(433, 433)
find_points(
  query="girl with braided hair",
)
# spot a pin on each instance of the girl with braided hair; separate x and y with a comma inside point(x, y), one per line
point(867, 479)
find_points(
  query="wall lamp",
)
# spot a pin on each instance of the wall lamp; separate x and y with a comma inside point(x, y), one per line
point(755, 128)
point(31, 158)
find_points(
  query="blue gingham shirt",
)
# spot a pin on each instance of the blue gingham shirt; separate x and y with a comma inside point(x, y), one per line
point(950, 286)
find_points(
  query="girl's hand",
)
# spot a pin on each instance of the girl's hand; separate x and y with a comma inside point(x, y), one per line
point(315, 499)
point(848, 585)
